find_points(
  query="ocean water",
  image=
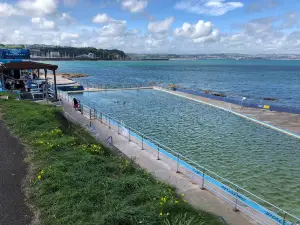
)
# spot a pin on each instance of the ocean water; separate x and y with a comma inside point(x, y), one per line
point(254, 79)
point(261, 160)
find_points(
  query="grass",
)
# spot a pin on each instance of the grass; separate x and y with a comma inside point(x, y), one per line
point(75, 180)
point(10, 95)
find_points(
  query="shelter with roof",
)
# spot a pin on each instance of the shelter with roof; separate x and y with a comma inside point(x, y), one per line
point(15, 71)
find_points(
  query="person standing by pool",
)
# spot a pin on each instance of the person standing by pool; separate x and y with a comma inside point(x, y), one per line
point(28, 85)
point(75, 104)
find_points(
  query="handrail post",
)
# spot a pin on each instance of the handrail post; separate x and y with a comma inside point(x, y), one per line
point(142, 142)
point(128, 134)
point(101, 120)
point(203, 179)
point(118, 127)
point(284, 219)
point(158, 152)
point(108, 122)
point(177, 164)
point(236, 200)
point(81, 106)
point(90, 114)
point(95, 113)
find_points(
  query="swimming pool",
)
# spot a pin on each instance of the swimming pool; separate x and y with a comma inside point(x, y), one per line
point(259, 159)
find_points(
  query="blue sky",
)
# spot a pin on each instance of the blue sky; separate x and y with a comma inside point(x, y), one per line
point(155, 26)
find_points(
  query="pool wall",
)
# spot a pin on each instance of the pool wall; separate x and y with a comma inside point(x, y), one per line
point(228, 110)
point(295, 110)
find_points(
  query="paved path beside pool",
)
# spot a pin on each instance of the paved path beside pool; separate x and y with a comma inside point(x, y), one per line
point(287, 121)
point(13, 210)
point(201, 199)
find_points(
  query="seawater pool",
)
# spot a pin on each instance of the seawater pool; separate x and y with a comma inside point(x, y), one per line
point(259, 159)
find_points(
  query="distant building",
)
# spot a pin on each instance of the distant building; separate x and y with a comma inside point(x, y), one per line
point(89, 55)
point(54, 54)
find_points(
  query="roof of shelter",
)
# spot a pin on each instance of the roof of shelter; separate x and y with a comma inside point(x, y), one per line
point(26, 66)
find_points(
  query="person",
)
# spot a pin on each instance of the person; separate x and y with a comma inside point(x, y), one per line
point(76, 106)
point(45, 89)
point(28, 85)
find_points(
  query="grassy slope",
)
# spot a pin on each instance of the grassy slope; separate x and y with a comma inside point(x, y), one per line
point(74, 180)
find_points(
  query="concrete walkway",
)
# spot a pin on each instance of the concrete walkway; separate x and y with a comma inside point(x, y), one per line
point(201, 199)
point(287, 121)
point(13, 210)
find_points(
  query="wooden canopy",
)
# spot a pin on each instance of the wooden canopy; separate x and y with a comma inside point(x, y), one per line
point(27, 66)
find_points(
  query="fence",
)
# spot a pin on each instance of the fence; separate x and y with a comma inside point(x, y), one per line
point(240, 199)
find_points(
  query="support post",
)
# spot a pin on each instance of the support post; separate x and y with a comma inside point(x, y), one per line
point(2, 80)
point(177, 166)
point(108, 122)
point(101, 120)
point(284, 219)
point(118, 127)
point(95, 114)
point(55, 88)
point(47, 94)
point(203, 180)
point(142, 142)
point(158, 152)
point(129, 134)
point(90, 114)
point(236, 200)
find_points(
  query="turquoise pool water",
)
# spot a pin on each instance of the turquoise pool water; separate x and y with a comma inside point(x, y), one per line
point(259, 159)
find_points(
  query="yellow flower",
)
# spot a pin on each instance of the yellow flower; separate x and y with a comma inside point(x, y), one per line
point(161, 214)
point(176, 202)
point(42, 172)
point(39, 177)
point(167, 214)
point(182, 194)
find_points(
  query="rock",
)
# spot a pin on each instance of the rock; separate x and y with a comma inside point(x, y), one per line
point(70, 75)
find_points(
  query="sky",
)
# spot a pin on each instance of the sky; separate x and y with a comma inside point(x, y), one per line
point(156, 26)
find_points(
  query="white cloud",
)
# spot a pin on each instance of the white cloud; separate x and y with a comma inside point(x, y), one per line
point(160, 26)
point(38, 7)
point(42, 23)
point(134, 6)
point(290, 20)
point(68, 36)
point(208, 7)
point(66, 17)
point(197, 32)
point(115, 29)
point(213, 37)
point(101, 18)
point(8, 10)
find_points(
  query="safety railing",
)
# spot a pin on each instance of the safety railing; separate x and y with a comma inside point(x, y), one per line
point(240, 199)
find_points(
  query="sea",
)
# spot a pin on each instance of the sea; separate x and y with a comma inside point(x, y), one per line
point(253, 79)
point(261, 160)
